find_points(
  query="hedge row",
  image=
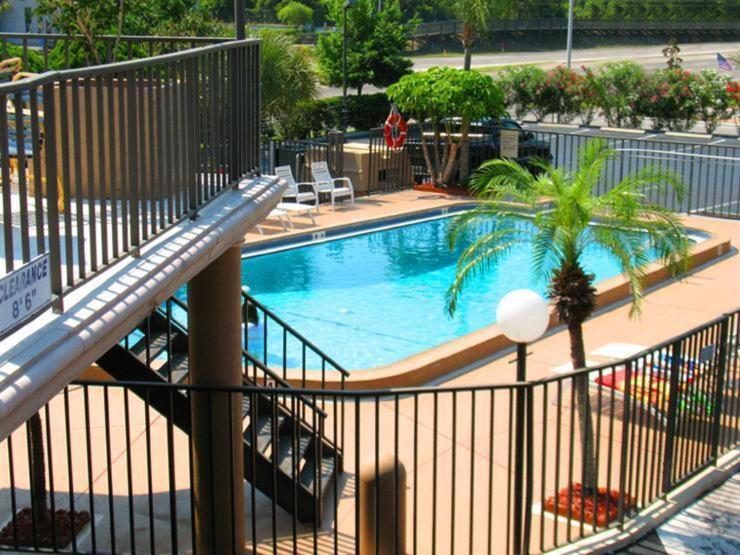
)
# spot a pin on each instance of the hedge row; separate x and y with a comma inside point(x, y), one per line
point(624, 94)
point(314, 117)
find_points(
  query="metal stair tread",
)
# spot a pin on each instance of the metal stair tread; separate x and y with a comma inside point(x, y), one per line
point(264, 430)
point(307, 476)
point(157, 346)
point(286, 442)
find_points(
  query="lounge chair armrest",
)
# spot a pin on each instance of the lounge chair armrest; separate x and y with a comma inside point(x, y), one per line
point(307, 184)
point(347, 180)
point(324, 184)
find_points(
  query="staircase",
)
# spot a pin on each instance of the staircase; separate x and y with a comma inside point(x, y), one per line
point(286, 455)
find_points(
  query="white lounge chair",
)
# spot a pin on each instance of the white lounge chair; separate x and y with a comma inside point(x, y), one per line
point(277, 214)
point(297, 209)
point(294, 189)
point(325, 183)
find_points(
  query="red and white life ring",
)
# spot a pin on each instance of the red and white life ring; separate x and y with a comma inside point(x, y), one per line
point(395, 129)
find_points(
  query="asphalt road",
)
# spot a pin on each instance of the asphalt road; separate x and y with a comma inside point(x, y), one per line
point(696, 57)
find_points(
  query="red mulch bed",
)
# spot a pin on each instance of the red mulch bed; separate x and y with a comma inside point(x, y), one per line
point(602, 518)
point(429, 188)
point(21, 534)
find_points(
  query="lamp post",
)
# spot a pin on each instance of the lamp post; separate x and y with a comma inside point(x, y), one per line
point(523, 316)
point(347, 5)
point(239, 19)
point(569, 40)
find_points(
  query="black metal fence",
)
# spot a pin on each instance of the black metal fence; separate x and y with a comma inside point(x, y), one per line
point(277, 345)
point(710, 172)
point(657, 419)
point(96, 161)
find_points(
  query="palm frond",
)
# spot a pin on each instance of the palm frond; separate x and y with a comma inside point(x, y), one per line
point(477, 259)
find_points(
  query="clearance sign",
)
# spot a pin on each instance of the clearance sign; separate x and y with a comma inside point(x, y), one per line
point(24, 292)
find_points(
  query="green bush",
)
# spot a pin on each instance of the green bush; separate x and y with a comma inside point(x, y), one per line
point(671, 102)
point(558, 95)
point(621, 93)
point(295, 14)
point(520, 85)
point(315, 117)
point(714, 101)
point(34, 61)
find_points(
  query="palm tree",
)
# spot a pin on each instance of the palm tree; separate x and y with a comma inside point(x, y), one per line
point(475, 15)
point(630, 227)
point(287, 77)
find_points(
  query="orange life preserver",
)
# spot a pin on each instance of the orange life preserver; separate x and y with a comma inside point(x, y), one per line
point(395, 129)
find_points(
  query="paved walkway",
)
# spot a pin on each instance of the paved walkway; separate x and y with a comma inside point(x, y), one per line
point(709, 526)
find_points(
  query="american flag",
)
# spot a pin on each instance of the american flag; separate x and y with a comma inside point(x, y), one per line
point(723, 63)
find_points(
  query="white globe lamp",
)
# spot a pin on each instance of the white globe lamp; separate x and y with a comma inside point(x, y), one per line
point(523, 316)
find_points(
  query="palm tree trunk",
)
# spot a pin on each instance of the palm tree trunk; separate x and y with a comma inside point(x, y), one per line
point(583, 405)
point(38, 470)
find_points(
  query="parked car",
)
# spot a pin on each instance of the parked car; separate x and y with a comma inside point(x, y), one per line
point(485, 144)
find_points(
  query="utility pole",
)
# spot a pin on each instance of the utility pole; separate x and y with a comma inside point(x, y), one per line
point(569, 46)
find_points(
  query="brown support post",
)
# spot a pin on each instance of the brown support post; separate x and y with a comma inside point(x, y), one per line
point(214, 306)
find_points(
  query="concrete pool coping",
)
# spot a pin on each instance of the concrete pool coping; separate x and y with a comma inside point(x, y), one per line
point(444, 359)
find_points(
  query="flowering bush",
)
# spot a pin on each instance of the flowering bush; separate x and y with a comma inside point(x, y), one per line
point(713, 96)
point(520, 84)
point(557, 94)
point(621, 93)
point(586, 95)
point(671, 102)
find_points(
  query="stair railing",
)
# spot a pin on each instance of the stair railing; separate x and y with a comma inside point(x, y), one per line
point(277, 344)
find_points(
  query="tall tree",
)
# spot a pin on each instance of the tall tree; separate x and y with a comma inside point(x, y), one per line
point(630, 228)
point(475, 15)
point(376, 41)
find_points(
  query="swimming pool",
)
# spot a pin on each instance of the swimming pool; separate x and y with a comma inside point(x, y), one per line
point(377, 297)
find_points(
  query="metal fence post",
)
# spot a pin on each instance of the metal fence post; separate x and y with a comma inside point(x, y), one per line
point(720, 385)
point(519, 446)
point(670, 438)
point(624, 446)
point(529, 469)
point(50, 148)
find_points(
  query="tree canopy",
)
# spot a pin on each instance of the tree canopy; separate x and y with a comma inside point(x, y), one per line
point(376, 41)
point(443, 96)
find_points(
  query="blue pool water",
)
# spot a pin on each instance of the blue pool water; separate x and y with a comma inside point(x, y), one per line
point(375, 298)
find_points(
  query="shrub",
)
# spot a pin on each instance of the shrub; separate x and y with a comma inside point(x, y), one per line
point(520, 85)
point(295, 14)
point(585, 93)
point(713, 98)
point(671, 103)
point(620, 93)
point(316, 117)
point(557, 95)
point(34, 61)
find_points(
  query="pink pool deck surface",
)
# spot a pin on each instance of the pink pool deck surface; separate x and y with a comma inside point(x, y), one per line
point(472, 434)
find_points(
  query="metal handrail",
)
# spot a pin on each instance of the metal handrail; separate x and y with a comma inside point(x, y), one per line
point(129, 38)
point(250, 359)
point(118, 67)
point(295, 333)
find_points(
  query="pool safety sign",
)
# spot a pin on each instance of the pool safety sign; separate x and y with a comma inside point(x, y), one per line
point(24, 292)
point(509, 143)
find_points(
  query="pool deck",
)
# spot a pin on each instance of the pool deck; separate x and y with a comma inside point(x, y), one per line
point(669, 309)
